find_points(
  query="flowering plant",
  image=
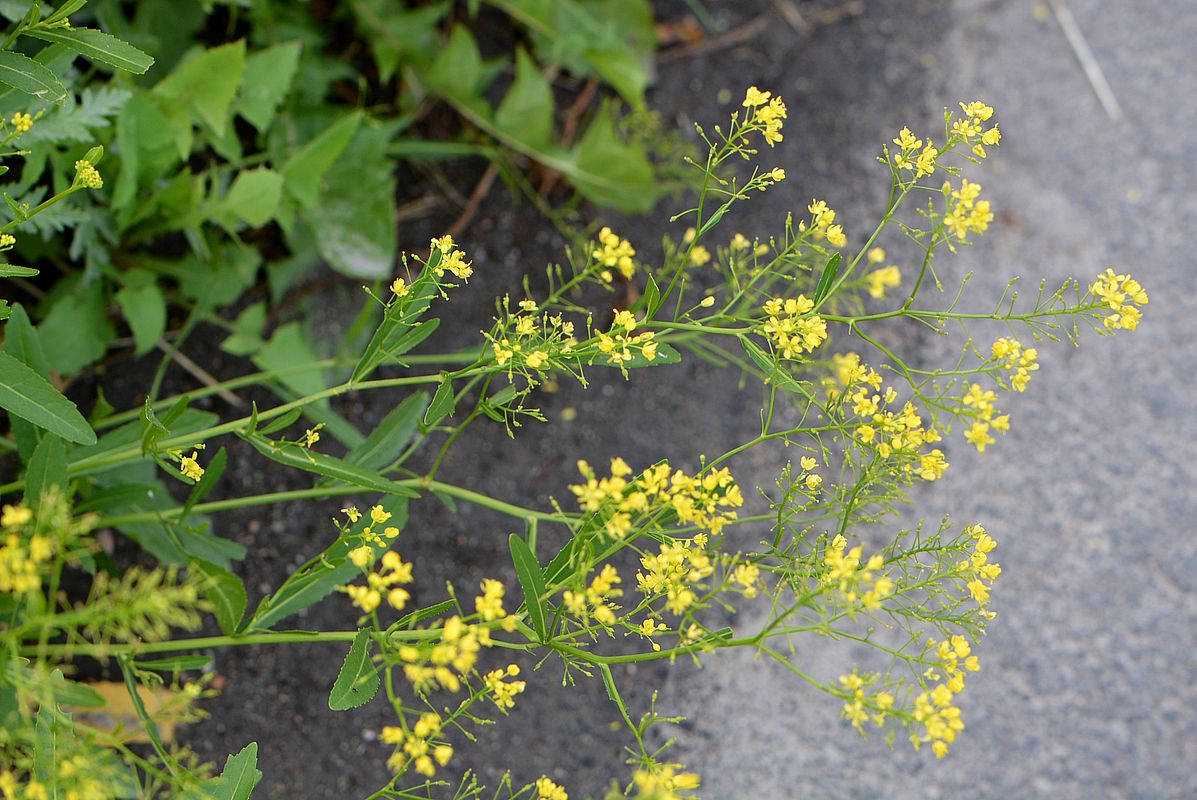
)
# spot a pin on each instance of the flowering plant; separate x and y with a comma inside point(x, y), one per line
point(653, 554)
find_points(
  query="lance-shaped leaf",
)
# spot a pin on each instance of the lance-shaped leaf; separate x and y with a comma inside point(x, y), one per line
point(531, 579)
point(25, 394)
point(328, 466)
point(97, 46)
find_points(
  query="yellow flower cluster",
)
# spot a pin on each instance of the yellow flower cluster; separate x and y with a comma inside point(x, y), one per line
point(663, 783)
point(881, 279)
point(189, 467)
point(933, 709)
point(856, 709)
point(451, 658)
point(892, 432)
point(451, 259)
point(613, 252)
point(792, 327)
point(87, 175)
point(594, 602)
point(968, 213)
point(1123, 295)
point(767, 111)
point(910, 158)
point(674, 572)
point(977, 570)
point(502, 693)
point(363, 555)
point(533, 340)
point(822, 224)
point(856, 584)
point(701, 501)
point(1019, 361)
point(747, 577)
point(971, 130)
point(21, 122)
point(418, 746)
point(981, 400)
point(21, 560)
point(620, 346)
point(382, 582)
point(7, 240)
point(546, 789)
point(489, 604)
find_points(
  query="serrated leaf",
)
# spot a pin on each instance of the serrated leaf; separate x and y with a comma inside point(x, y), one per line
point(47, 467)
point(225, 592)
point(357, 682)
point(443, 402)
point(830, 273)
point(268, 75)
point(97, 46)
point(25, 394)
point(144, 308)
point(531, 578)
point(304, 171)
point(526, 112)
point(240, 775)
point(328, 466)
point(26, 75)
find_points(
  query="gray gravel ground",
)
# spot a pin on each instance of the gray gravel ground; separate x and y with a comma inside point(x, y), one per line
point(1087, 684)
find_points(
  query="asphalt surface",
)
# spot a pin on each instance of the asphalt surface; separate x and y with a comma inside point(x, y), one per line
point(1086, 689)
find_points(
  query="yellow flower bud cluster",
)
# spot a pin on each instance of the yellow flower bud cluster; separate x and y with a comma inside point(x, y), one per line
point(859, 586)
point(526, 339)
point(1019, 361)
point(978, 572)
point(502, 693)
point(381, 583)
point(859, 703)
point(448, 658)
point(910, 158)
point(546, 789)
point(663, 783)
point(891, 433)
point(981, 401)
point(21, 122)
point(934, 709)
point(822, 224)
point(675, 571)
point(968, 213)
point(1123, 295)
point(620, 346)
point(881, 279)
point(22, 556)
point(450, 259)
point(419, 746)
point(87, 175)
point(594, 602)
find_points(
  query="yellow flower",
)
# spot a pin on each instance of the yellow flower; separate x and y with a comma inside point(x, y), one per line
point(881, 279)
point(87, 175)
point(190, 468)
point(22, 122)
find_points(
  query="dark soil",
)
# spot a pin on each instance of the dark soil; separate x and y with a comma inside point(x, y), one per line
point(849, 73)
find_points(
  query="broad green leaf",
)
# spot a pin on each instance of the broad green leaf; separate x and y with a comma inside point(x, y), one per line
point(457, 71)
point(225, 592)
point(47, 467)
point(268, 75)
point(391, 436)
point(526, 112)
point(253, 199)
point(830, 273)
point(73, 694)
point(247, 331)
point(442, 403)
point(25, 394)
point(531, 579)
point(26, 75)
point(207, 84)
point(289, 348)
point(240, 776)
point(357, 682)
point(328, 466)
point(97, 46)
point(144, 308)
point(354, 218)
point(147, 145)
point(397, 34)
point(609, 172)
point(304, 171)
point(76, 332)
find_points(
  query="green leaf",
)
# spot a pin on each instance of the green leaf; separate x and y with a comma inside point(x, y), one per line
point(442, 403)
point(25, 394)
point(172, 663)
point(13, 271)
point(390, 437)
point(153, 430)
point(609, 172)
point(97, 46)
point(47, 467)
point(76, 332)
point(73, 694)
point(289, 348)
point(207, 84)
point(531, 579)
point(666, 354)
point(225, 592)
point(652, 297)
point(268, 75)
point(328, 466)
point(144, 308)
point(357, 682)
point(526, 112)
point(240, 775)
point(253, 199)
point(772, 369)
point(304, 171)
point(26, 75)
point(830, 273)
point(399, 339)
point(354, 218)
point(397, 34)
point(457, 71)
